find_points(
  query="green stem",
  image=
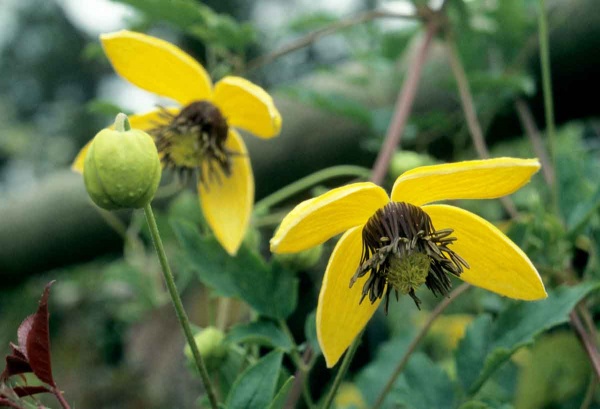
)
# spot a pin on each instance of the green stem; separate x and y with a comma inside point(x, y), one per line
point(180, 311)
point(339, 377)
point(547, 89)
point(294, 352)
point(298, 186)
point(122, 123)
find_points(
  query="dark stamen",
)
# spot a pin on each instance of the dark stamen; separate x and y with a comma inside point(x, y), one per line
point(402, 250)
point(193, 141)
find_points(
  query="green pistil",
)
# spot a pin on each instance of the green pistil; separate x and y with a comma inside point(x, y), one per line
point(407, 273)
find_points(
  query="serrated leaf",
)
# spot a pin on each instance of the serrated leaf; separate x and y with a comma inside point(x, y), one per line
point(282, 394)
point(488, 344)
point(256, 385)
point(425, 385)
point(264, 333)
point(271, 292)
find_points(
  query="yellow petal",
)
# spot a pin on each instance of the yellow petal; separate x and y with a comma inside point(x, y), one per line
point(227, 205)
point(478, 179)
point(157, 66)
point(496, 263)
point(316, 220)
point(77, 165)
point(247, 106)
point(340, 315)
point(143, 121)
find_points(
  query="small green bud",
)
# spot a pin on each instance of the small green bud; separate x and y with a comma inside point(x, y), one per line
point(122, 168)
point(302, 260)
point(210, 342)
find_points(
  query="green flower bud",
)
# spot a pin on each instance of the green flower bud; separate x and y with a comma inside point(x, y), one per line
point(122, 168)
point(302, 260)
point(210, 342)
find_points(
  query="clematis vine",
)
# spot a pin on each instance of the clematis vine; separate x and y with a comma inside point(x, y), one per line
point(396, 244)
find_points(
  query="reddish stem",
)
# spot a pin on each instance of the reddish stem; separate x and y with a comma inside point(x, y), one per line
point(588, 344)
point(60, 398)
point(403, 107)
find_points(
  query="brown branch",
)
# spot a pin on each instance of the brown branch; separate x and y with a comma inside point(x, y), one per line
point(468, 106)
point(586, 340)
point(415, 342)
point(403, 106)
point(534, 136)
point(323, 32)
point(299, 380)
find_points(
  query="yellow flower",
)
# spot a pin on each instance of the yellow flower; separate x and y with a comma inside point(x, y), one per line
point(198, 138)
point(404, 241)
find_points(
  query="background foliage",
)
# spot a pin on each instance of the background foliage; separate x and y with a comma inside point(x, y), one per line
point(115, 341)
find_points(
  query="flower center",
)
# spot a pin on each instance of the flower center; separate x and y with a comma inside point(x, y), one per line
point(194, 141)
point(402, 251)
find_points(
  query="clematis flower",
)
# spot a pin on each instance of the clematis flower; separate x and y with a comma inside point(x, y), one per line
point(398, 243)
point(199, 136)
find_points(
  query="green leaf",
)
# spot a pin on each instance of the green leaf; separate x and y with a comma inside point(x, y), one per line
point(198, 20)
point(478, 404)
point(272, 292)
point(264, 333)
point(369, 380)
point(256, 385)
point(282, 394)
point(488, 344)
point(425, 385)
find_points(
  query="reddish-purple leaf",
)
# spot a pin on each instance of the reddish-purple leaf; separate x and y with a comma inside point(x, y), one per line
point(14, 366)
point(23, 333)
point(37, 342)
point(16, 351)
point(23, 391)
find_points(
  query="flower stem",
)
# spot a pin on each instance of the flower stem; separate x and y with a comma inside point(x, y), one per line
point(547, 90)
point(180, 311)
point(586, 340)
point(403, 107)
point(468, 106)
point(415, 342)
point(339, 377)
point(61, 399)
point(531, 130)
point(300, 385)
point(122, 123)
point(263, 205)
